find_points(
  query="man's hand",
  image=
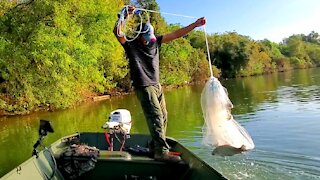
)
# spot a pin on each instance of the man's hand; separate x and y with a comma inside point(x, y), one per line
point(123, 14)
point(131, 9)
point(126, 11)
point(200, 22)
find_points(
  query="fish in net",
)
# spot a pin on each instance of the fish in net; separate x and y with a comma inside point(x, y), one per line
point(220, 130)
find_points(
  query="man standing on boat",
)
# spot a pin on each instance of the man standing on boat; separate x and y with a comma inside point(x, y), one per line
point(143, 55)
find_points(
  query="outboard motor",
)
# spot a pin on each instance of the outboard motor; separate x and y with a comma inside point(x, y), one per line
point(119, 121)
point(118, 127)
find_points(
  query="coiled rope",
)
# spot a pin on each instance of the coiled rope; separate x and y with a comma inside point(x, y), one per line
point(122, 21)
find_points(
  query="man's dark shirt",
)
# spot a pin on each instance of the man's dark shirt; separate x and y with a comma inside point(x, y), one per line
point(143, 62)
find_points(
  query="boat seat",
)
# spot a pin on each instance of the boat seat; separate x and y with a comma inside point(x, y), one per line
point(125, 156)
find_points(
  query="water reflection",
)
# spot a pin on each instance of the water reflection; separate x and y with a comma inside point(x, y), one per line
point(280, 111)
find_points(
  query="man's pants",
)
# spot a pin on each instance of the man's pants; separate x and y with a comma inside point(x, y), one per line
point(154, 108)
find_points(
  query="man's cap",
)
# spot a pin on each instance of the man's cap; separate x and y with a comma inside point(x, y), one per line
point(148, 32)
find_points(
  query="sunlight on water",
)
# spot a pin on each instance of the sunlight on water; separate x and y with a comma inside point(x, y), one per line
point(281, 112)
point(286, 132)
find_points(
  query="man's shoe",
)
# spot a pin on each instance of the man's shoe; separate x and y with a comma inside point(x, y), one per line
point(166, 157)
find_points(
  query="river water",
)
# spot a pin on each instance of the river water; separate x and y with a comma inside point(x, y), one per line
point(280, 111)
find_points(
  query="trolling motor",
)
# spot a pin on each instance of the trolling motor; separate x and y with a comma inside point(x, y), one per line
point(44, 128)
point(118, 127)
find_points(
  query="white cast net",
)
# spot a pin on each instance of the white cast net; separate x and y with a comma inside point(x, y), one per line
point(220, 129)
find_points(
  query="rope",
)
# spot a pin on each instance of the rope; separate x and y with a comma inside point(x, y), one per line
point(172, 14)
point(123, 20)
point(210, 65)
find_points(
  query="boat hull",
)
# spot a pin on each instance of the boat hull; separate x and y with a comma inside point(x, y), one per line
point(116, 164)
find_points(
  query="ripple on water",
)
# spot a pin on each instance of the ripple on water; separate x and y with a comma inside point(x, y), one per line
point(267, 165)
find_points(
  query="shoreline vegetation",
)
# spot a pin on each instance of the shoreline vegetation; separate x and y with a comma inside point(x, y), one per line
point(59, 54)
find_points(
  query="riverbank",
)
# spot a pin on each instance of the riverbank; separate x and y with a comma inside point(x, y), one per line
point(90, 97)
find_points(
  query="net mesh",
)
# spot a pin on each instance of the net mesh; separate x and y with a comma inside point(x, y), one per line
point(220, 129)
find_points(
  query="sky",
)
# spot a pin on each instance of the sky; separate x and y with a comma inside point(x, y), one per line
point(258, 19)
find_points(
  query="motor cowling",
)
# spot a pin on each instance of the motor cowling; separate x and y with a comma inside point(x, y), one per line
point(119, 119)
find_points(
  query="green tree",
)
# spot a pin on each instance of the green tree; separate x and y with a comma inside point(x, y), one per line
point(313, 51)
point(312, 37)
point(259, 61)
point(273, 50)
point(231, 53)
point(54, 53)
point(295, 48)
point(180, 62)
point(156, 19)
point(5, 5)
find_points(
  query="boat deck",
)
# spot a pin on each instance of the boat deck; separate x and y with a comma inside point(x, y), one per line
point(123, 165)
point(116, 165)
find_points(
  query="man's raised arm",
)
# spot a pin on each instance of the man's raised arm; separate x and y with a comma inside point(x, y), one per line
point(183, 31)
point(118, 28)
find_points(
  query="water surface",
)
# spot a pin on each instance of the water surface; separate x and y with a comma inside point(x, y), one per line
point(280, 111)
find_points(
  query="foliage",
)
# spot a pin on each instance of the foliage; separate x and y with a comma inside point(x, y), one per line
point(156, 19)
point(313, 37)
point(259, 62)
point(313, 51)
point(56, 53)
point(236, 55)
point(180, 62)
point(176, 62)
point(272, 49)
point(6, 5)
point(303, 51)
point(52, 52)
point(231, 52)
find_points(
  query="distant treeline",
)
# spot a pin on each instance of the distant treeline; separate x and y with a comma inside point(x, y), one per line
point(57, 53)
